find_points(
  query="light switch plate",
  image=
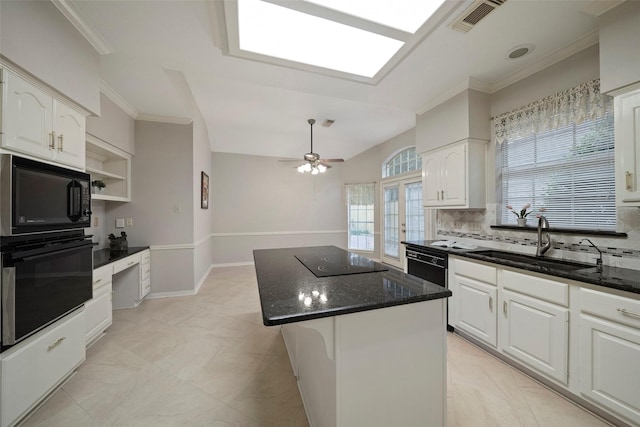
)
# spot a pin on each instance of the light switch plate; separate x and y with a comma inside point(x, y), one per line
point(119, 222)
point(129, 222)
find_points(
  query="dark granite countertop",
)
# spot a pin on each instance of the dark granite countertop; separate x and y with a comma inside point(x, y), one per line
point(103, 257)
point(290, 292)
point(623, 279)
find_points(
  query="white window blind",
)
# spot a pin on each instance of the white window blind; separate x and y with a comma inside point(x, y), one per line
point(360, 216)
point(568, 170)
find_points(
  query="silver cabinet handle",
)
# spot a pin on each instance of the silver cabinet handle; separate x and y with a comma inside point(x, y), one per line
point(60, 143)
point(627, 177)
point(52, 143)
point(504, 308)
point(131, 262)
point(98, 281)
point(490, 303)
point(55, 344)
point(442, 194)
point(628, 312)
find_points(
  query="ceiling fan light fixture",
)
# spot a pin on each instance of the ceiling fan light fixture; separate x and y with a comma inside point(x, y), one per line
point(322, 168)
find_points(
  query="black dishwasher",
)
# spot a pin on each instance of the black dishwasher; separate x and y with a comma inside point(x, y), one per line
point(431, 265)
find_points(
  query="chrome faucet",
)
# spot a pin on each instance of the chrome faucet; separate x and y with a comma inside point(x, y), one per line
point(543, 224)
point(599, 260)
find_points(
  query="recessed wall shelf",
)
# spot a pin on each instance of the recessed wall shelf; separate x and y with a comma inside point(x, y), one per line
point(111, 165)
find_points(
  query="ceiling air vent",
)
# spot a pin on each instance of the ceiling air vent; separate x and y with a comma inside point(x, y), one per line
point(475, 13)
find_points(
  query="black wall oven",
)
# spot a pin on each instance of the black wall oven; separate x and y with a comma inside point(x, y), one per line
point(37, 197)
point(44, 277)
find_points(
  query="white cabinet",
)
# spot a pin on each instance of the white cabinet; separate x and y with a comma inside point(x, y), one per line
point(34, 368)
point(454, 177)
point(610, 351)
point(534, 324)
point(475, 300)
point(145, 273)
point(99, 310)
point(627, 148)
point(37, 124)
point(110, 165)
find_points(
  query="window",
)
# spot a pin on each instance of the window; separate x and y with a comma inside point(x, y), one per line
point(403, 162)
point(360, 211)
point(567, 169)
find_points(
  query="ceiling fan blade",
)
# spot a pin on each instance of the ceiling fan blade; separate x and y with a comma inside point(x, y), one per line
point(332, 160)
point(291, 160)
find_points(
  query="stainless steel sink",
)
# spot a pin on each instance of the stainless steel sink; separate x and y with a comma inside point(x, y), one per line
point(549, 263)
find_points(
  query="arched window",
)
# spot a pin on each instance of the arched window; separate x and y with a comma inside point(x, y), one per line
point(403, 162)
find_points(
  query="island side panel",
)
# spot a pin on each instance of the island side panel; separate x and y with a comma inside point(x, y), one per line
point(391, 366)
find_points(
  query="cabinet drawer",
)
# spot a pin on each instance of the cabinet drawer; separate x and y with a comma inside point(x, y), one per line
point(33, 368)
point(612, 307)
point(146, 256)
point(145, 271)
point(123, 264)
point(544, 289)
point(145, 288)
point(481, 272)
point(102, 276)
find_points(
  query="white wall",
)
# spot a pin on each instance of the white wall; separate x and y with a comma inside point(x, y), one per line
point(619, 51)
point(113, 126)
point(163, 203)
point(39, 39)
point(258, 202)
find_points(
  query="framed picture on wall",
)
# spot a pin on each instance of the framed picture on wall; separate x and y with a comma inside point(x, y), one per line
point(204, 191)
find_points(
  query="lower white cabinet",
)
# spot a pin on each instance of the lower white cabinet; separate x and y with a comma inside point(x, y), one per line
point(473, 307)
point(476, 309)
point(536, 333)
point(145, 273)
point(34, 368)
point(99, 310)
point(610, 352)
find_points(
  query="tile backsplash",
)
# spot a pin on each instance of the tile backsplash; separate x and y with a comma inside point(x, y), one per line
point(474, 226)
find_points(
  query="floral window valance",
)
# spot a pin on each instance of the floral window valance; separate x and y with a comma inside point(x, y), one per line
point(572, 106)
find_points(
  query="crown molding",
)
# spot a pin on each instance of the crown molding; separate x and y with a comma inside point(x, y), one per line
point(164, 119)
point(599, 7)
point(114, 96)
point(83, 26)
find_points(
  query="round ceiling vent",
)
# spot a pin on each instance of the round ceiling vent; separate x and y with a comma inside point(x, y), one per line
point(520, 51)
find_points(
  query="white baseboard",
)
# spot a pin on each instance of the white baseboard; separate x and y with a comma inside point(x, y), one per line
point(232, 264)
point(157, 295)
point(203, 278)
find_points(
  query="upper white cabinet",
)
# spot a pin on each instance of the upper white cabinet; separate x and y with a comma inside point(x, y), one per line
point(627, 146)
point(454, 176)
point(110, 165)
point(37, 124)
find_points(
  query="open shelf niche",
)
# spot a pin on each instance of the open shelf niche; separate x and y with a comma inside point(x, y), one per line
point(111, 165)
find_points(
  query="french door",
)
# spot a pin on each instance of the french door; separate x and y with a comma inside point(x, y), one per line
point(402, 218)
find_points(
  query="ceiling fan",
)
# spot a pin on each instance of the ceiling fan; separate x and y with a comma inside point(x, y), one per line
point(312, 161)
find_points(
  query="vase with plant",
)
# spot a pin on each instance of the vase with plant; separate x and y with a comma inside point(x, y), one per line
point(522, 215)
point(97, 185)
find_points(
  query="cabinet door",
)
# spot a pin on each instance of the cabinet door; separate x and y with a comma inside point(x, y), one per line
point(537, 334)
point(475, 309)
point(26, 118)
point(627, 137)
point(98, 314)
point(454, 176)
point(69, 128)
point(431, 185)
point(609, 369)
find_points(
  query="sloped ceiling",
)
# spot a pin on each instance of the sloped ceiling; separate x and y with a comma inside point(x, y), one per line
point(252, 107)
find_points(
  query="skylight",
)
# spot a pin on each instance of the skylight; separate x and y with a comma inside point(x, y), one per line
point(406, 15)
point(355, 39)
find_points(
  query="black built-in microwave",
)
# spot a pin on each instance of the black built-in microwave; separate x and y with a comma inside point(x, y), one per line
point(38, 197)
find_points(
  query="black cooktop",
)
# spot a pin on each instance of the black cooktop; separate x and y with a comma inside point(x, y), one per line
point(338, 263)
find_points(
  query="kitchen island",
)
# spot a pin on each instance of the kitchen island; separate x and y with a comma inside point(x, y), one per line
point(367, 343)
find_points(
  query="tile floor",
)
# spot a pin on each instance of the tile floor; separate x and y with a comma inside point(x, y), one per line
point(207, 360)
